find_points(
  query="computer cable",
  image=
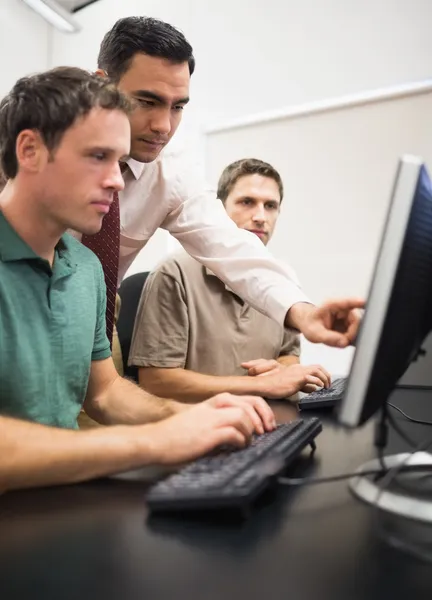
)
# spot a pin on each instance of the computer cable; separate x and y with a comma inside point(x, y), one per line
point(300, 481)
point(403, 434)
point(380, 442)
point(293, 481)
point(412, 419)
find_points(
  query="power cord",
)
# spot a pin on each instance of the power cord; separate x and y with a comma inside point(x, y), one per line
point(412, 419)
point(381, 435)
point(318, 480)
point(381, 431)
point(403, 434)
point(381, 472)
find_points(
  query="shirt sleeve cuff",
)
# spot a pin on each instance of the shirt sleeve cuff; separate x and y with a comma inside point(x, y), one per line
point(101, 354)
point(135, 361)
point(280, 301)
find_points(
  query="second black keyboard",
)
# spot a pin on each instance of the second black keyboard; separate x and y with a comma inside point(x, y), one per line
point(324, 398)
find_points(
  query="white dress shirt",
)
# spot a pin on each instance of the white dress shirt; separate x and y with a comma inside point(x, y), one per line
point(170, 193)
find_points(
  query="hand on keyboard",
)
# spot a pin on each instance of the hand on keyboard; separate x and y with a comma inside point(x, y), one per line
point(325, 398)
point(258, 410)
point(289, 380)
point(224, 419)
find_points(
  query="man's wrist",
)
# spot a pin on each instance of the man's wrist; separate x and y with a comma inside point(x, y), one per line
point(133, 443)
point(147, 445)
point(260, 385)
point(298, 314)
point(177, 407)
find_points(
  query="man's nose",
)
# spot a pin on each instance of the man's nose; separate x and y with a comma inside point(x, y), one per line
point(259, 214)
point(115, 179)
point(161, 122)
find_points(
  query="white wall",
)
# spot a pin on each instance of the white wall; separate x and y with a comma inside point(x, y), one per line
point(255, 55)
point(24, 43)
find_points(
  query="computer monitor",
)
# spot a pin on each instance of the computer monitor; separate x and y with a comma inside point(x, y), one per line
point(398, 314)
point(397, 319)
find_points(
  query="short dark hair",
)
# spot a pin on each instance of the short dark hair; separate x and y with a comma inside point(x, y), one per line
point(133, 35)
point(240, 168)
point(50, 103)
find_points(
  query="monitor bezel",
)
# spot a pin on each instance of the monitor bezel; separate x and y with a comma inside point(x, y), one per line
point(389, 254)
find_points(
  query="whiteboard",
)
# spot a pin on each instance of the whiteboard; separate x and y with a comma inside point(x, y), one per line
point(338, 168)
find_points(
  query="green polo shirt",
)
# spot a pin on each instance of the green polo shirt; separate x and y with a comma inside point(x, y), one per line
point(52, 325)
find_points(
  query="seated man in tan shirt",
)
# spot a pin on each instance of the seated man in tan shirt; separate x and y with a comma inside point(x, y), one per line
point(194, 337)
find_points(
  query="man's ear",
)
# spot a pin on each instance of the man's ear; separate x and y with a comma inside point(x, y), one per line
point(101, 73)
point(30, 149)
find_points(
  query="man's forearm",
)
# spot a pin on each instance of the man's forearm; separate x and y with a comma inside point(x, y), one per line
point(190, 387)
point(297, 315)
point(33, 455)
point(288, 360)
point(125, 403)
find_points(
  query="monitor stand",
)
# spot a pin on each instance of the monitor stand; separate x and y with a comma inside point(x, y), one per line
point(413, 501)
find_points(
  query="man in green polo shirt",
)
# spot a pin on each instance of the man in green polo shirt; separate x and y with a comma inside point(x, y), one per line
point(62, 135)
point(49, 327)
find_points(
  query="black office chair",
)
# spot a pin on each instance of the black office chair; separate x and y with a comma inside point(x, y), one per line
point(130, 294)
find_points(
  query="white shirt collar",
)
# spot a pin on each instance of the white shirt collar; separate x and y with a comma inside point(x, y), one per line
point(136, 167)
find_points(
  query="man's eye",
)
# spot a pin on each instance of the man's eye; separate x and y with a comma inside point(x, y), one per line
point(144, 102)
point(99, 156)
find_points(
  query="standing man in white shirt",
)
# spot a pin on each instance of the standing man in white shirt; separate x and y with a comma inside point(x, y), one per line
point(152, 62)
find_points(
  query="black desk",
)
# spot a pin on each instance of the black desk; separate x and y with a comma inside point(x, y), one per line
point(315, 543)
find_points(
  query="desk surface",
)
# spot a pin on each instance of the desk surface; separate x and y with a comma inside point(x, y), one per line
point(95, 540)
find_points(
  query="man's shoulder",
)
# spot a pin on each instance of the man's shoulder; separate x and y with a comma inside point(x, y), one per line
point(179, 265)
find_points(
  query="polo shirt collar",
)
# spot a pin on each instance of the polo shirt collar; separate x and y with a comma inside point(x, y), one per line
point(210, 273)
point(14, 248)
point(64, 252)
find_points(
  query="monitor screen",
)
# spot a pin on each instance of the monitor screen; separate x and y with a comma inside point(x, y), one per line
point(398, 313)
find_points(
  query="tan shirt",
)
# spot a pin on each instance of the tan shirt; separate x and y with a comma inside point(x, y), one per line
point(188, 318)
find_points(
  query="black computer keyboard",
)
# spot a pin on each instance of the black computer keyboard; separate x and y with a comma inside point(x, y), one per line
point(324, 398)
point(234, 478)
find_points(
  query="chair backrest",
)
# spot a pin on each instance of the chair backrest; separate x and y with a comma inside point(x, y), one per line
point(130, 293)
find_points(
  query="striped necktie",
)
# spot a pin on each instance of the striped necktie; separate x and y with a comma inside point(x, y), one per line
point(106, 245)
